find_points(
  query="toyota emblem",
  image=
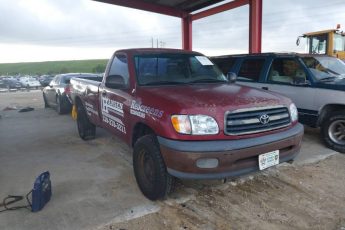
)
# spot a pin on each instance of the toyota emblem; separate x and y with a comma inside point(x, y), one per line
point(264, 119)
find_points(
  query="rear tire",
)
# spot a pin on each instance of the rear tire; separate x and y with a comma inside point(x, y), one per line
point(86, 130)
point(60, 108)
point(333, 131)
point(150, 170)
point(46, 105)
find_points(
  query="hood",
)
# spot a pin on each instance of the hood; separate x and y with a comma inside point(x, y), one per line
point(210, 97)
point(336, 84)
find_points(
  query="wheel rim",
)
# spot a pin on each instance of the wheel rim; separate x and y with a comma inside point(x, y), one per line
point(336, 132)
point(146, 167)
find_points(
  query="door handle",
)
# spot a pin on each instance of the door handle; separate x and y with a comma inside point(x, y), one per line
point(104, 92)
point(264, 87)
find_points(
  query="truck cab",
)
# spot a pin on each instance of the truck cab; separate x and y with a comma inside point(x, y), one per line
point(330, 42)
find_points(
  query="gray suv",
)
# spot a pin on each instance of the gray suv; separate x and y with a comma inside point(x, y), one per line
point(315, 83)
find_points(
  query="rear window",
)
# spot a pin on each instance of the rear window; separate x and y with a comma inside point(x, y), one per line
point(66, 79)
point(250, 69)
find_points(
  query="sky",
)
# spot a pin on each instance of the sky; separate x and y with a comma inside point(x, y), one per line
point(48, 30)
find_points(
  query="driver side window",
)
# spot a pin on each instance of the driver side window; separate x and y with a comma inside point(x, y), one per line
point(119, 66)
point(286, 70)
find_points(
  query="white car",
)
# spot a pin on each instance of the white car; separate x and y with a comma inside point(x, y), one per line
point(30, 82)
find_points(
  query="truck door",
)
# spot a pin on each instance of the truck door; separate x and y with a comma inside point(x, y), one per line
point(285, 76)
point(115, 100)
point(288, 77)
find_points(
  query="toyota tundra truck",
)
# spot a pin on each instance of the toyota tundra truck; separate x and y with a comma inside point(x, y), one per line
point(184, 118)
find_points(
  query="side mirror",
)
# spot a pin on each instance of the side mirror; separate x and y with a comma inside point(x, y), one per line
point(115, 82)
point(302, 82)
point(306, 83)
point(231, 77)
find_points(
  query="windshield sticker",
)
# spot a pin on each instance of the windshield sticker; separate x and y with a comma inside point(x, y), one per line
point(109, 105)
point(204, 60)
point(140, 110)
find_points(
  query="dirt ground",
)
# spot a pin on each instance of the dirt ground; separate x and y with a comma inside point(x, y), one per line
point(290, 196)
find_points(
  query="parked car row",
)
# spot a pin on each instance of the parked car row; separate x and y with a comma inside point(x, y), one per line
point(11, 84)
point(15, 84)
point(29, 82)
point(315, 83)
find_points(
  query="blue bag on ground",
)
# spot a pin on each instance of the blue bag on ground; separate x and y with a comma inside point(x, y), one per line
point(41, 192)
point(40, 195)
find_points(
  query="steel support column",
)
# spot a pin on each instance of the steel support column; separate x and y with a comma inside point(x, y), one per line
point(187, 33)
point(255, 26)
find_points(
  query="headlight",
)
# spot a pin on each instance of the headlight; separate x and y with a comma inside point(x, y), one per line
point(194, 124)
point(293, 112)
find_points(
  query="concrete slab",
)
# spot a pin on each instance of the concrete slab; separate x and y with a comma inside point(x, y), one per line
point(92, 182)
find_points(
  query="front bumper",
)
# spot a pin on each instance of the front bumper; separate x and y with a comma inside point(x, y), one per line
point(235, 157)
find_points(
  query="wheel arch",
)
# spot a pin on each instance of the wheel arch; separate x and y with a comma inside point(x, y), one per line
point(140, 129)
point(326, 110)
point(78, 102)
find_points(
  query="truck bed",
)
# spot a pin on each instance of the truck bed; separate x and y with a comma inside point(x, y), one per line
point(84, 87)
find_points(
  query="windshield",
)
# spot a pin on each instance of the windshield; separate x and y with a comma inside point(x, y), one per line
point(170, 69)
point(339, 42)
point(317, 44)
point(325, 67)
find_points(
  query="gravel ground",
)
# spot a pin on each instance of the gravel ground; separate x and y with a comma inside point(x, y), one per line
point(288, 197)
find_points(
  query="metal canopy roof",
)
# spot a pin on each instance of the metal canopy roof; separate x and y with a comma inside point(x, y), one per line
point(185, 5)
point(184, 9)
point(178, 8)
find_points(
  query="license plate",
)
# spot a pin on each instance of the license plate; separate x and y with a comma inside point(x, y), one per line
point(268, 159)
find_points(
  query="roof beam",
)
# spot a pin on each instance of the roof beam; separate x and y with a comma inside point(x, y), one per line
point(219, 9)
point(142, 5)
point(187, 5)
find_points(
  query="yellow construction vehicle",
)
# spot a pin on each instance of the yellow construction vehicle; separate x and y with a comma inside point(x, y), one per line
point(330, 42)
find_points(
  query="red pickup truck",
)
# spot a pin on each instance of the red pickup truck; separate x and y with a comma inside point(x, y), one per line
point(184, 118)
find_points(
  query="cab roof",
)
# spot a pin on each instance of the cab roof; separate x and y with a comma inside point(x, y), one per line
point(274, 54)
point(138, 51)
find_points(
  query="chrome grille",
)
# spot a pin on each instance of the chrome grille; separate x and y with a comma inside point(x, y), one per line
point(257, 120)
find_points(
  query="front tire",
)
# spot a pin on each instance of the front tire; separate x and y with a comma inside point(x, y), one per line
point(86, 129)
point(333, 131)
point(58, 105)
point(149, 168)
